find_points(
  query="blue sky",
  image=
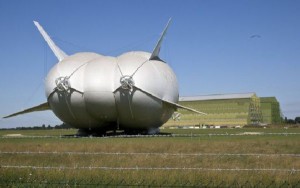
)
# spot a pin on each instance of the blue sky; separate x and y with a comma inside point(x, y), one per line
point(208, 45)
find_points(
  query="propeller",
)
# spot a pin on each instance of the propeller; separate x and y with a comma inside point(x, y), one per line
point(63, 83)
point(176, 116)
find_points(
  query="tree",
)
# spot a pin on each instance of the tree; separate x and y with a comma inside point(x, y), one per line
point(290, 121)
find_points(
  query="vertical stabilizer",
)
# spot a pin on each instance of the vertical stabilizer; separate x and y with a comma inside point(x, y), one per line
point(156, 50)
point(56, 50)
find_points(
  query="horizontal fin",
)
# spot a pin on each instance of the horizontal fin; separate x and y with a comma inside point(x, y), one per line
point(187, 108)
point(56, 50)
point(175, 105)
point(41, 107)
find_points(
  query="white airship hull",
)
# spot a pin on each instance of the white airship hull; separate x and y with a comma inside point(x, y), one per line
point(95, 99)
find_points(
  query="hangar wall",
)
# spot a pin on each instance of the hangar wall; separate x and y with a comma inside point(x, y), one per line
point(226, 110)
point(271, 112)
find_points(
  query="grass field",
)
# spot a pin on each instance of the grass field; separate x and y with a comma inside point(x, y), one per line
point(208, 157)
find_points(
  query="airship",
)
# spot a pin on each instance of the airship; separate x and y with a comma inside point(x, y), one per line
point(136, 92)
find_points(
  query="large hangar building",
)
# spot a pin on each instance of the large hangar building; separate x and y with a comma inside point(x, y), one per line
point(227, 110)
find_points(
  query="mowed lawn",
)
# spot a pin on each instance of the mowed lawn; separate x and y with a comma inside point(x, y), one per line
point(212, 157)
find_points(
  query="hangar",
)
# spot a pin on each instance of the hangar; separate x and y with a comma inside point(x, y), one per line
point(227, 110)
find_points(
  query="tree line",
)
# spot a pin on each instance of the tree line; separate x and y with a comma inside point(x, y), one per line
point(292, 121)
point(44, 127)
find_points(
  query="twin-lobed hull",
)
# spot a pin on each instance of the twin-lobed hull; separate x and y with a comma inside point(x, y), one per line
point(94, 97)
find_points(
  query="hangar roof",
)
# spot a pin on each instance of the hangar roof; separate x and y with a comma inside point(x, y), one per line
point(218, 96)
point(268, 100)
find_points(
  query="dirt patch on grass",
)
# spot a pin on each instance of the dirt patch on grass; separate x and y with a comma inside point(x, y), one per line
point(251, 133)
point(14, 135)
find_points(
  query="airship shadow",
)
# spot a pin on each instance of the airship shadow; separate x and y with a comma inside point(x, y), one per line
point(117, 133)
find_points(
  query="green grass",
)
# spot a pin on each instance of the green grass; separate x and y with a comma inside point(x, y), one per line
point(279, 129)
point(205, 144)
point(62, 132)
point(52, 132)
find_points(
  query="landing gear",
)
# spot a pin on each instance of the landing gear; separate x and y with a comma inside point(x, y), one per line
point(90, 132)
point(150, 131)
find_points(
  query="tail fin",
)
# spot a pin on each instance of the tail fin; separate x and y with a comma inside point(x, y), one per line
point(41, 107)
point(156, 50)
point(56, 50)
